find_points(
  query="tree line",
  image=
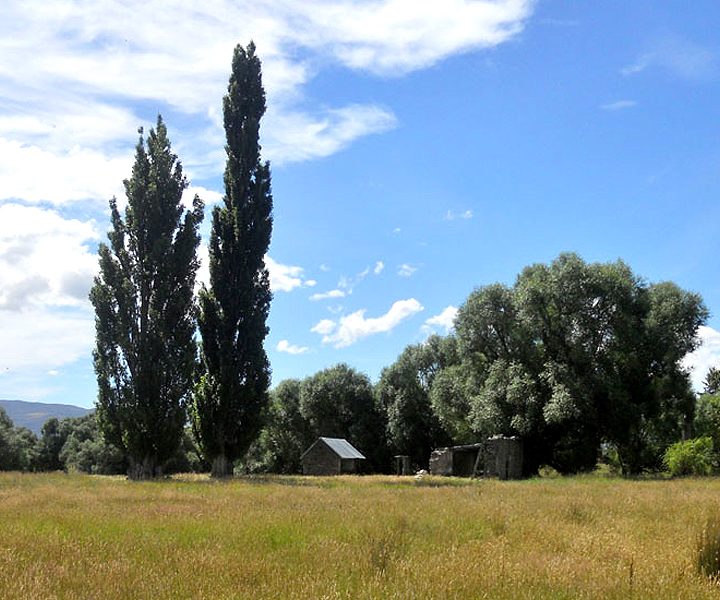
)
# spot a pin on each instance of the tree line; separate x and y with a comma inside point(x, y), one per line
point(582, 361)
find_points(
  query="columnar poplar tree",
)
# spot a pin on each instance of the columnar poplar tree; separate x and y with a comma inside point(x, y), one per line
point(145, 352)
point(233, 389)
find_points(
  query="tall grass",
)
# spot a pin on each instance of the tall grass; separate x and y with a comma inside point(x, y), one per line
point(67, 536)
point(707, 553)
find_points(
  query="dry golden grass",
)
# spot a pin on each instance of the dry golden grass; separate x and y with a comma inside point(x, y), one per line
point(73, 536)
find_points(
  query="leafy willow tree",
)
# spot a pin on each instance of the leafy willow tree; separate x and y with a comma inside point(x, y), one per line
point(577, 354)
point(233, 390)
point(339, 402)
point(17, 445)
point(52, 438)
point(285, 435)
point(403, 397)
point(145, 354)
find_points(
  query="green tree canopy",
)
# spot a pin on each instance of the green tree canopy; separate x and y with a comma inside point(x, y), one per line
point(339, 402)
point(403, 397)
point(575, 354)
point(145, 353)
point(233, 391)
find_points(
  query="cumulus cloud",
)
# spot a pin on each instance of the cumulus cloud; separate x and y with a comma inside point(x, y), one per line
point(55, 338)
point(286, 278)
point(68, 175)
point(406, 270)
point(324, 327)
point(283, 278)
point(445, 320)
point(288, 348)
point(706, 356)
point(398, 36)
point(97, 60)
point(354, 327)
point(45, 259)
point(379, 266)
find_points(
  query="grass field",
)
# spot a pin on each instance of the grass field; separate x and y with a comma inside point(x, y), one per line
point(72, 536)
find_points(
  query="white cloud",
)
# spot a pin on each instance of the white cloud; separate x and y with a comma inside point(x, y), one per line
point(288, 348)
point(706, 356)
point(379, 266)
point(45, 339)
point(34, 174)
point(45, 259)
point(294, 136)
point(324, 327)
point(326, 295)
point(452, 215)
point(398, 36)
point(283, 278)
point(286, 278)
point(209, 197)
point(618, 105)
point(354, 327)
point(95, 60)
point(445, 320)
point(406, 270)
point(680, 57)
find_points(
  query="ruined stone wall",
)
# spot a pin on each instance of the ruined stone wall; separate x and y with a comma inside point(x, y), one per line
point(441, 461)
point(503, 458)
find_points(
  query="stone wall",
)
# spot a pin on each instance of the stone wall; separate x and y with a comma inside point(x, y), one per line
point(503, 458)
point(500, 457)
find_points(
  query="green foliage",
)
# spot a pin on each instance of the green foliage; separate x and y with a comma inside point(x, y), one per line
point(577, 353)
point(286, 435)
point(690, 457)
point(450, 399)
point(339, 402)
point(712, 381)
point(403, 397)
point(143, 297)
point(230, 398)
point(17, 445)
point(707, 417)
point(85, 450)
point(52, 439)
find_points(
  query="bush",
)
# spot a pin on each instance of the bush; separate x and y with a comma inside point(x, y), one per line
point(690, 457)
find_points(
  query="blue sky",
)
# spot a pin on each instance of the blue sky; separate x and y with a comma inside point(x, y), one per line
point(419, 149)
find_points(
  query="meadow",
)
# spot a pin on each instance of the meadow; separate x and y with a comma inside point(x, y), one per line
point(75, 536)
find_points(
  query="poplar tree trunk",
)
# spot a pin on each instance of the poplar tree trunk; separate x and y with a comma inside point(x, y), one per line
point(221, 467)
point(146, 469)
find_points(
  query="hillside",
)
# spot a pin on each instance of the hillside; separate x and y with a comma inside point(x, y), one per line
point(34, 414)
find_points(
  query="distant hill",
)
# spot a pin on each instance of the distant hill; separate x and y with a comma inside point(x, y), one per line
point(34, 414)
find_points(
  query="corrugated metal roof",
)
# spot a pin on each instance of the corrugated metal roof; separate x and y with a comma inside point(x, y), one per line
point(342, 447)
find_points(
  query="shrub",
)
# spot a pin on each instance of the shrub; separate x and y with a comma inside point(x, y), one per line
point(690, 457)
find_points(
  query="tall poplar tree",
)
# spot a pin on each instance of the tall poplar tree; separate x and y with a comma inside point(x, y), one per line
point(145, 352)
point(233, 390)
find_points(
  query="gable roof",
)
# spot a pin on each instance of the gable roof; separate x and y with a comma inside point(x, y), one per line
point(339, 446)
